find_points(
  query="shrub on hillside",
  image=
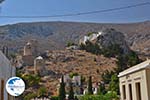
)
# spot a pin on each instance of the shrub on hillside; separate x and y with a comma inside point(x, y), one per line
point(30, 96)
point(54, 98)
point(91, 47)
point(42, 92)
point(31, 80)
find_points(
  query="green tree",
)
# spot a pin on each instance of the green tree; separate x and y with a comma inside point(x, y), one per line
point(112, 50)
point(32, 80)
point(71, 93)
point(73, 74)
point(114, 84)
point(106, 76)
point(91, 47)
point(90, 33)
point(132, 58)
point(102, 90)
point(90, 90)
point(82, 80)
point(62, 92)
point(76, 98)
point(42, 92)
point(30, 96)
point(112, 95)
point(70, 43)
point(54, 98)
point(121, 64)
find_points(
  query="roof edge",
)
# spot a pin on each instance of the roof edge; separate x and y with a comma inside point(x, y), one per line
point(135, 68)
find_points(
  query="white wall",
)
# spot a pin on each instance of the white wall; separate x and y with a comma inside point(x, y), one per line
point(6, 71)
point(132, 79)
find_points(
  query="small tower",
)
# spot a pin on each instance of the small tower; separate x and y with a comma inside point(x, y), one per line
point(39, 66)
point(31, 48)
point(28, 49)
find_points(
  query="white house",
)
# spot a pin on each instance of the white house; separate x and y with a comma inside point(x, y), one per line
point(6, 71)
point(39, 66)
point(90, 38)
point(135, 82)
point(76, 80)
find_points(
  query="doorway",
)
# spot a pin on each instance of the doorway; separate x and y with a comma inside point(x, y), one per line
point(138, 91)
point(130, 92)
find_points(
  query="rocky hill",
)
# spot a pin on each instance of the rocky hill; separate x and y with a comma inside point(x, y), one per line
point(55, 35)
point(108, 38)
point(62, 62)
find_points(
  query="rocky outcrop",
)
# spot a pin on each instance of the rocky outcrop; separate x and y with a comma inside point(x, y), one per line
point(110, 37)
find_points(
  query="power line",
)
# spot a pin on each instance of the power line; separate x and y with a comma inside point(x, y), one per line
point(82, 13)
point(1, 1)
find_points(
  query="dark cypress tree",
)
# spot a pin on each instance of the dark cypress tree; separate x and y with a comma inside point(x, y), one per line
point(90, 91)
point(62, 92)
point(71, 93)
point(76, 98)
point(102, 89)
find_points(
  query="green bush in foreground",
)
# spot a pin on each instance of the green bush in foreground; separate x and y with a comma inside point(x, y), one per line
point(107, 96)
point(54, 98)
point(111, 96)
point(30, 96)
point(91, 97)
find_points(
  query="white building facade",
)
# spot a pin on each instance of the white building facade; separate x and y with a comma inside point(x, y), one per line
point(6, 72)
point(135, 82)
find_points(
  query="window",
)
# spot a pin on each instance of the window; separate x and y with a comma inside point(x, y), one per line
point(124, 91)
point(130, 92)
point(138, 91)
point(2, 90)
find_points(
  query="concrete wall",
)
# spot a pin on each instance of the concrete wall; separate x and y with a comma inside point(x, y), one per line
point(133, 78)
point(28, 60)
point(6, 71)
point(148, 81)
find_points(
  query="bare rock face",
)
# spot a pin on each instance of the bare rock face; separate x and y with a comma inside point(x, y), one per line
point(110, 37)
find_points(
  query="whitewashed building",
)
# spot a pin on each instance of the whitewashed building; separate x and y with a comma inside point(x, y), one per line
point(76, 80)
point(39, 66)
point(135, 82)
point(92, 37)
point(6, 71)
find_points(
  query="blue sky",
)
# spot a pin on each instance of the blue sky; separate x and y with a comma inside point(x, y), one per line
point(54, 7)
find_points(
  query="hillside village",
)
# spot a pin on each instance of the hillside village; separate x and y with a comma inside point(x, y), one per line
point(76, 64)
point(90, 67)
point(53, 64)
